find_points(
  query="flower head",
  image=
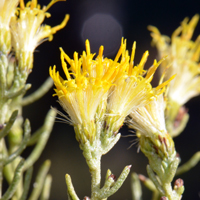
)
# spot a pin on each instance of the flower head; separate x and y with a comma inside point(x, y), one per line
point(87, 83)
point(131, 89)
point(149, 120)
point(103, 91)
point(154, 140)
point(183, 56)
point(7, 11)
point(28, 31)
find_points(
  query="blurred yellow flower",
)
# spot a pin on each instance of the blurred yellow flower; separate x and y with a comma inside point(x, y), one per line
point(28, 31)
point(7, 11)
point(183, 58)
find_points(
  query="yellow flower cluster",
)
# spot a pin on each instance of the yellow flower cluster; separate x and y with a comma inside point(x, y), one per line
point(27, 32)
point(7, 11)
point(103, 90)
point(183, 58)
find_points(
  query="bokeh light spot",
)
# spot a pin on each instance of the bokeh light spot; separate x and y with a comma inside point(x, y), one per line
point(102, 29)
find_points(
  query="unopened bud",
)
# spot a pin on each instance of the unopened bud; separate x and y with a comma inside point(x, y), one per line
point(178, 155)
point(181, 113)
point(113, 177)
point(129, 166)
point(178, 183)
point(142, 178)
point(86, 198)
point(1, 126)
point(163, 198)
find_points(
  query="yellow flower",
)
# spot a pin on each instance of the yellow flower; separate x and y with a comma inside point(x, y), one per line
point(28, 31)
point(103, 91)
point(183, 56)
point(84, 88)
point(7, 10)
point(149, 120)
point(131, 89)
point(154, 140)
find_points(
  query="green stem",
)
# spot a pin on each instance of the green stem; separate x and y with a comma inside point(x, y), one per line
point(27, 183)
point(70, 188)
point(12, 188)
point(116, 185)
point(154, 179)
point(9, 125)
point(47, 128)
point(96, 179)
point(189, 164)
point(168, 190)
point(22, 146)
point(1, 166)
point(39, 182)
point(136, 187)
point(21, 91)
point(47, 188)
point(155, 195)
point(38, 93)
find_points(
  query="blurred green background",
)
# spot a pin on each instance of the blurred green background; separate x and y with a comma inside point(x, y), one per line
point(104, 22)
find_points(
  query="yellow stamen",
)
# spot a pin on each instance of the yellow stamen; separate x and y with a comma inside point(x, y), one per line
point(33, 4)
point(51, 4)
point(165, 83)
point(132, 59)
point(64, 65)
point(87, 45)
point(22, 6)
point(99, 73)
point(142, 62)
point(60, 26)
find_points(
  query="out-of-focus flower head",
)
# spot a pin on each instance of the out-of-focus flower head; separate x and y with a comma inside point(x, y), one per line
point(28, 31)
point(183, 57)
point(7, 11)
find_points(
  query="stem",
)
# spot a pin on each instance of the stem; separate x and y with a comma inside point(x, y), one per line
point(38, 93)
point(47, 128)
point(96, 178)
point(115, 185)
point(27, 183)
point(168, 190)
point(136, 187)
point(189, 164)
point(1, 166)
point(46, 188)
point(9, 125)
point(155, 195)
point(70, 188)
point(3, 84)
point(39, 182)
point(13, 186)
